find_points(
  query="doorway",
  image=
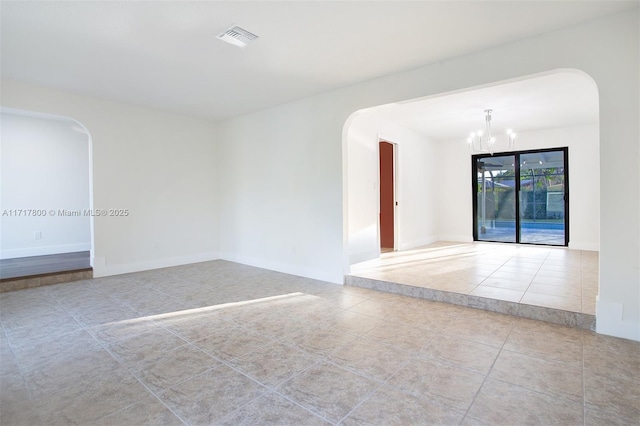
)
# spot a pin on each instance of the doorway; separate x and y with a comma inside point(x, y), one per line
point(46, 164)
point(387, 196)
point(522, 197)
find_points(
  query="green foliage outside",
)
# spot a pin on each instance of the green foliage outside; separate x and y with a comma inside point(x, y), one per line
point(534, 190)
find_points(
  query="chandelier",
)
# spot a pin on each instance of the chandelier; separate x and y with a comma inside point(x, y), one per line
point(483, 141)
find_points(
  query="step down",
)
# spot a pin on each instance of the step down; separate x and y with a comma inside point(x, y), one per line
point(540, 313)
point(39, 280)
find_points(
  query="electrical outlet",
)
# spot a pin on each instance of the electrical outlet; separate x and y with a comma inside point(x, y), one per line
point(37, 235)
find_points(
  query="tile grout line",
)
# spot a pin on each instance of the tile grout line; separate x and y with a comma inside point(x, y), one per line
point(319, 360)
point(105, 347)
point(487, 375)
point(534, 277)
point(386, 381)
point(584, 385)
point(138, 379)
point(21, 371)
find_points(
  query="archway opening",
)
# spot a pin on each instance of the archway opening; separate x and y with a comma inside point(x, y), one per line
point(47, 222)
point(558, 109)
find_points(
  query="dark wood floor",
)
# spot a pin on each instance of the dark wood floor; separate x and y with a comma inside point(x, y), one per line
point(38, 265)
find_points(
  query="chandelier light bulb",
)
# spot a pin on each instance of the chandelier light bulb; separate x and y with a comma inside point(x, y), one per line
point(483, 141)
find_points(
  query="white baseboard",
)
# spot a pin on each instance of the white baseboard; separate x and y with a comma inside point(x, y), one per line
point(43, 251)
point(609, 321)
point(417, 243)
point(584, 246)
point(456, 238)
point(335, 277)
point(101, 269)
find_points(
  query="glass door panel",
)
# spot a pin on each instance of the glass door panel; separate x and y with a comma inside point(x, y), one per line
point(495, 203)
point(542, 198)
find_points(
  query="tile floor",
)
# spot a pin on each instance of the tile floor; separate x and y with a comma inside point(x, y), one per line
point(551, 277)
point(222, 343)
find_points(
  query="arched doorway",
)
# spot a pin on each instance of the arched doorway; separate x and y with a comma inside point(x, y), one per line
point(549, 110)
point(46, 198)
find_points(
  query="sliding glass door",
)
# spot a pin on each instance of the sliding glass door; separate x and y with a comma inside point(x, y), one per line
point(521, 197)
point(495, 209)
point(543, 189)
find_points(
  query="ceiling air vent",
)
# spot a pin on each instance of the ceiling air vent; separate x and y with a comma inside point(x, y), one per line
point(237, 36)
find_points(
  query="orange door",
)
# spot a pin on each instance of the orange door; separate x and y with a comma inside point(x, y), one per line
point(386, 196)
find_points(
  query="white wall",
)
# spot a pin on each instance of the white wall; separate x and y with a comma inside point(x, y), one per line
point(45, 166)
point(584, 183)
point(362, 185)
point(455, 217)
point(417, 186)
point(280, 180)
point(160, 166)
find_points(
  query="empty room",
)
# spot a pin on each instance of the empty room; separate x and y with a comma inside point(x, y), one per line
point(323, 212)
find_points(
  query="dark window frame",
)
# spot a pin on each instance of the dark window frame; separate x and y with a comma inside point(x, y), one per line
point(517, 154)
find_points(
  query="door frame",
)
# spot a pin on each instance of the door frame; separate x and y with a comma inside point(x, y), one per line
point(516, 154)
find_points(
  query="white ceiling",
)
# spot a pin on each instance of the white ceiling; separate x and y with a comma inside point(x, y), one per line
point(548, 101)
point(165, 54)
